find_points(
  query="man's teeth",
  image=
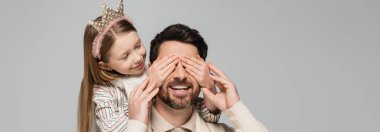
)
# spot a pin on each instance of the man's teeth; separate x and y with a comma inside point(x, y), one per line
point(180, 87)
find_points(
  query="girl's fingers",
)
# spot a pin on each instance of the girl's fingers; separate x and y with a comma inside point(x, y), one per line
point(142, 87)
point(160, 59)
point(220, 87)
point(132, 95)
point(168, 67)
point(217, 71)
point(155, 62)
point(150, 87)
point(220, 82)
point(195, 67)
point(170, 70)
point(189, 63)
point(192, 68)
point(166, 62)
point(219, 79)
point(195, 60)
point(208, 94)
point(151, 95)
point(193, 74)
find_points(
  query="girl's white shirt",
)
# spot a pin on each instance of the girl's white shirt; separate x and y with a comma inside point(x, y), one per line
point(130, 82)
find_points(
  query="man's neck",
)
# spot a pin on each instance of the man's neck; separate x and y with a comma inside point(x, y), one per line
point(173, 116)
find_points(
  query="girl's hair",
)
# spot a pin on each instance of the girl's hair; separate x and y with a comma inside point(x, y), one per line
point(93, 75)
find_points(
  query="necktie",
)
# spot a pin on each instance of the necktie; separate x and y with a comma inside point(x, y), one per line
point(179, 129)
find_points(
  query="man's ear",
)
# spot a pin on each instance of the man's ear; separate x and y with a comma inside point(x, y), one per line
point(104, 66)
point(199, 57)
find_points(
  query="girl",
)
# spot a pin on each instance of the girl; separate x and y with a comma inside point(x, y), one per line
point(114, 65)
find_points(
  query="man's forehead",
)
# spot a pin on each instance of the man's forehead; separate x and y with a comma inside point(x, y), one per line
point(177, 48)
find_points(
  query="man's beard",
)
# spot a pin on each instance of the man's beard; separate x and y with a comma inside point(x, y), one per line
point(178, 102)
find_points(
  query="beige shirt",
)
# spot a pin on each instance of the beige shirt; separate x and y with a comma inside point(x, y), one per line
point(239, 115)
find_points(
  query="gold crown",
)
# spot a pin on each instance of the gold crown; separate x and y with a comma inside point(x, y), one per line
point(109, 14)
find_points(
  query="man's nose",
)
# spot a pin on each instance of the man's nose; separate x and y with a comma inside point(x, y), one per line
point(180, 73)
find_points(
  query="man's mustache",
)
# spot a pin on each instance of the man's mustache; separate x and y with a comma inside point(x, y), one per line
point(178, 82)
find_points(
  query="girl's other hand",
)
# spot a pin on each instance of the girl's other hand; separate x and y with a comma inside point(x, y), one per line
point(161, 68)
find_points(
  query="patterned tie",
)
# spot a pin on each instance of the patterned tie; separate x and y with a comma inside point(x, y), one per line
point(179, 129)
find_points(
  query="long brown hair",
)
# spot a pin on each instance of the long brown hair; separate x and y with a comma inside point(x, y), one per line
point(93, 75)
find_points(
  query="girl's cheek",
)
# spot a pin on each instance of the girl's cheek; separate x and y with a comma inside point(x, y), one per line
point(143, 51)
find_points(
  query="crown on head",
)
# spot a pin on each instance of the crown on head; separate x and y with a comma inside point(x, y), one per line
point(109, 14)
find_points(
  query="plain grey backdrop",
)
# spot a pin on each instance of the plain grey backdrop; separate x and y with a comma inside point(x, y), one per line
point(299, 65)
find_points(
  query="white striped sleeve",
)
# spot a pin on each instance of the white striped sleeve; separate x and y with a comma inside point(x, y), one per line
point(109, 116)
point(205, 113)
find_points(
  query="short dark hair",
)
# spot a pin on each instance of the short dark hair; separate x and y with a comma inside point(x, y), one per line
point(181, 33)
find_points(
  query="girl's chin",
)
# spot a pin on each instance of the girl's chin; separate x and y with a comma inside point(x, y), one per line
point(138, 71)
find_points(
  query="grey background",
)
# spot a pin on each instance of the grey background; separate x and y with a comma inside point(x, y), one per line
point(299, 65)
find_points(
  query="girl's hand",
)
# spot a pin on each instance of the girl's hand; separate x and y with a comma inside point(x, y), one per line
point(198, 69)
point(228, 96)
point(139, 103)
point(161, 68)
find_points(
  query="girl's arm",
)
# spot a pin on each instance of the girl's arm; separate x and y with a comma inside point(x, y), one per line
point(111, 109)
point(206, 114)
point(115, 112)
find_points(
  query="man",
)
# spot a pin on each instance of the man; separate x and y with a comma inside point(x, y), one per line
point(174, 108)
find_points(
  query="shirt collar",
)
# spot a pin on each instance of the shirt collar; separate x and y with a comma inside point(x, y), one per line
point(191, 123)
point(159, 123)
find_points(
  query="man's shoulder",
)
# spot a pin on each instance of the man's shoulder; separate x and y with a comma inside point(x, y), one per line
point(212, 127)
point(219, 127)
